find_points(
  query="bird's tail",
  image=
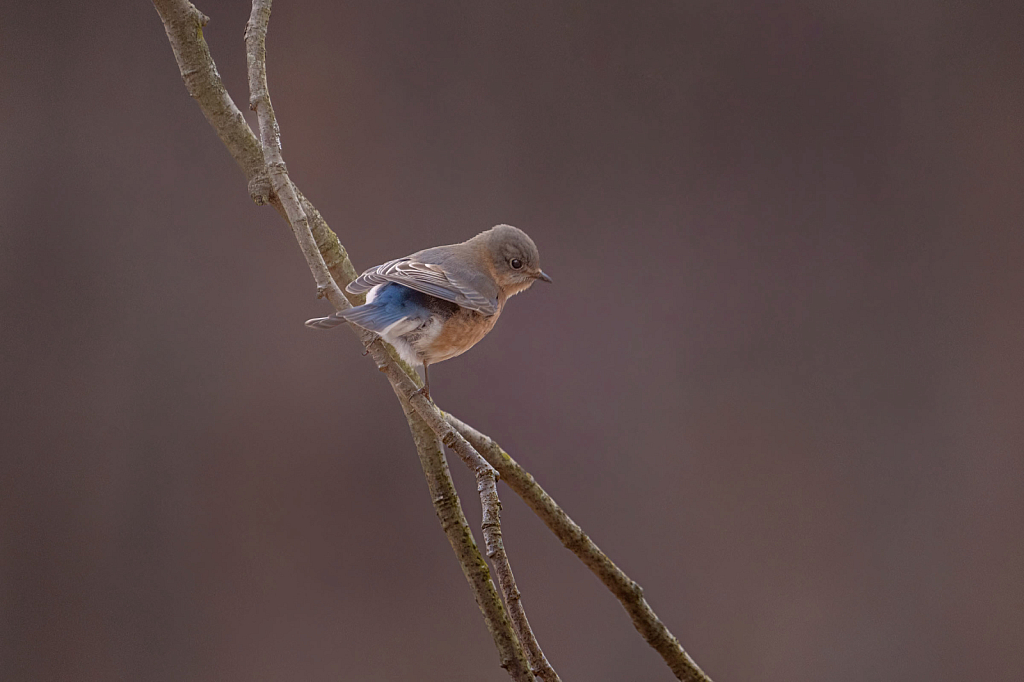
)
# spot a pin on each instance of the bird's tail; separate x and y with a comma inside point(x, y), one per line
point(375, 318)
point(329, 322)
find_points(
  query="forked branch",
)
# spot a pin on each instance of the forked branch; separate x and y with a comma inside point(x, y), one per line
point(268, 180)
point(510, 651)
point(628, 592)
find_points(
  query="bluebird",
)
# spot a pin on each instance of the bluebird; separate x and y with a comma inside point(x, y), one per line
point(439, 302)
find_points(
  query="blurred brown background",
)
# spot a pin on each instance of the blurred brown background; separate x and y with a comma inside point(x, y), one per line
point(778, 377)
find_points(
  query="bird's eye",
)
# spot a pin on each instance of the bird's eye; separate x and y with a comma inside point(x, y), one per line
point(516, 263)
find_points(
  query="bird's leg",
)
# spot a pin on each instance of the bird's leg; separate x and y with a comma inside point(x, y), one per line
point(425, 389)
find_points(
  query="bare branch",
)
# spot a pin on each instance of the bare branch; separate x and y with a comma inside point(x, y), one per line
point(184, 26)
point(183, 23)
point(327, 259)
point(486, 482)
point(486, 478)
point(270, 135)
point(509, 649)
point(628, 592)
point(449, 513)
point(488, 489)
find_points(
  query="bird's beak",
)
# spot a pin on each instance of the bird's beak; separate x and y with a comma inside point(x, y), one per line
point(542, 275)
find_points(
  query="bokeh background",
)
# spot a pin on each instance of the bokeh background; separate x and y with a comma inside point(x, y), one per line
point(778, 377)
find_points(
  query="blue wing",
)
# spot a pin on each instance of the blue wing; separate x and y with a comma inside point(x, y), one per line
point(394, 310)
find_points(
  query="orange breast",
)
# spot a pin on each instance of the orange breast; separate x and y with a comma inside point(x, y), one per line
point(462, 331)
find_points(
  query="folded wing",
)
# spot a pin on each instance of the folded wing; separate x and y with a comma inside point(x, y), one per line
point(430, 278)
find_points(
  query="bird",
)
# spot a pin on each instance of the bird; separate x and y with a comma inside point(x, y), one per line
point(438, 303)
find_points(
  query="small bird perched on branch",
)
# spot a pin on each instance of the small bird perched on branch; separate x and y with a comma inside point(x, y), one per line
point(439, 302)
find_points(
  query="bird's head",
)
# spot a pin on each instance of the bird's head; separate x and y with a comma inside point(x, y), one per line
point(514, 256)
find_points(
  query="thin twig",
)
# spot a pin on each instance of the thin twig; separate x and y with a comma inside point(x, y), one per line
point(486, 479)
point(487, 487)
point(255, 40)
point(183, 24)
point(446, 504)
point(628, 592)
point(270, 135)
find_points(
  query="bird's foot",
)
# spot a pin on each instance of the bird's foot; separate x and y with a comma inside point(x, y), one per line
point(367, 344)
